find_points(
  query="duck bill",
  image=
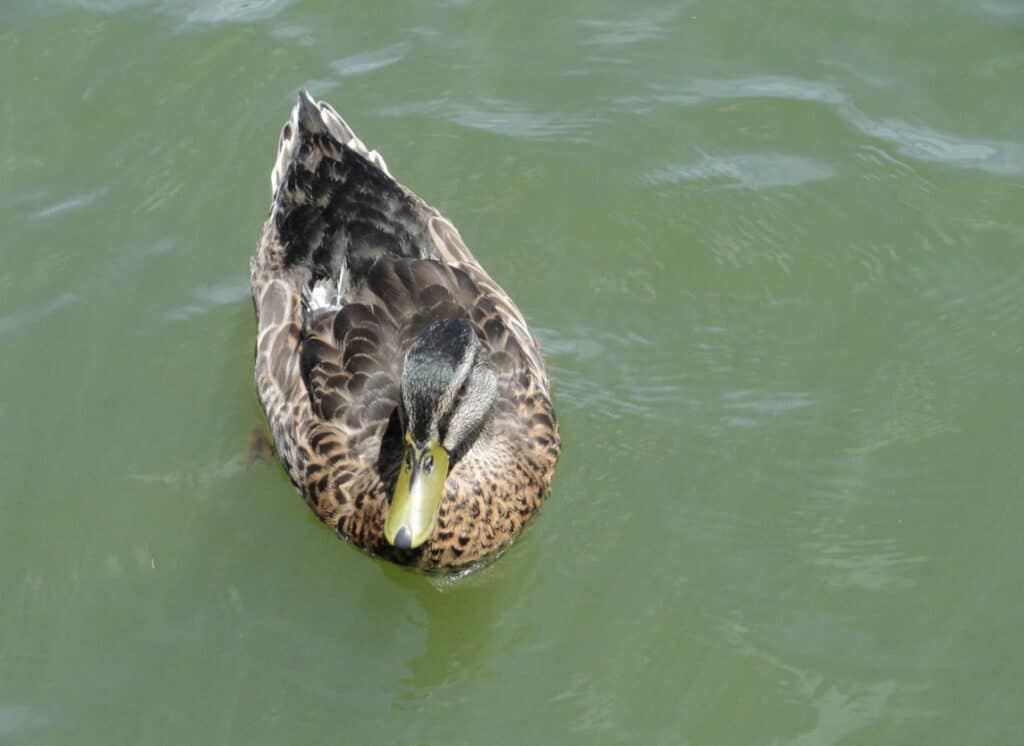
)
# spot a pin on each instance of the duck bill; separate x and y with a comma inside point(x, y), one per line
point(417, 496)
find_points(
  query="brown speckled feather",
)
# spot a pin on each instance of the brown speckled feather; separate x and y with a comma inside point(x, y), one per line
point(328, 376)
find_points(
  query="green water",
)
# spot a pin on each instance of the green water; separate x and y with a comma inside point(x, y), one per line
point(773, 251)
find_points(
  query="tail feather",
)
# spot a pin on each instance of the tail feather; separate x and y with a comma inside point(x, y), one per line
point(333, 201)
point(310, 118)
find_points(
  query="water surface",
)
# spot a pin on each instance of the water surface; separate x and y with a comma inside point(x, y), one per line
point(773, 254)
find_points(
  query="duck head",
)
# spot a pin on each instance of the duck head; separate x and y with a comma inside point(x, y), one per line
point(448, 392)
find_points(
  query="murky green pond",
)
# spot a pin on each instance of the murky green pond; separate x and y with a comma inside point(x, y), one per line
point(773, 251)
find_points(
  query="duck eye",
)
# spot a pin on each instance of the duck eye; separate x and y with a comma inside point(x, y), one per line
point(428, 464)
point(463, 389)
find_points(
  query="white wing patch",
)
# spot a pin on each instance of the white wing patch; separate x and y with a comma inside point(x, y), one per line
point(325, 294)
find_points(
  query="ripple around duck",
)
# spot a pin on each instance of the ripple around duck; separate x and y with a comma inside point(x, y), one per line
point(226, 11)
point(193, 11)
point(999, 158)
point(519, 121)
point(840, 708)
point(69, 204)
point(37, 311)
point(104, 6)
point(501, 117)
point(925, 144)
point(632, 386)
point(640, 380)
point(208, 298)
point(749, 171)
point(1001, 11)
point(763, 86)
point(651, 24)
point(919, 142)
point(366, 62)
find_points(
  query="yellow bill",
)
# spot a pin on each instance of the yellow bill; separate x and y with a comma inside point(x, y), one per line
point(417, 496)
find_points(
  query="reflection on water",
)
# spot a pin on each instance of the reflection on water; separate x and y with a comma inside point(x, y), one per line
point(461, 631)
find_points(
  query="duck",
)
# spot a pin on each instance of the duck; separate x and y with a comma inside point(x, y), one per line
point(405, 395)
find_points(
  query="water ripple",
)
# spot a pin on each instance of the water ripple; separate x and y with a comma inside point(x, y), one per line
point(649, 25)
point(750, 171)
point(1002, 11)
point(922, 143)
point(870, 565)
point(633, 385)
point(365, 62)
point(75, 202)
point(228, 11)
point(501, 117)
point(925, 144)
point(766, 86)
point(194, 11)
point(841, 709)
point(206, 299)
point(35, 312)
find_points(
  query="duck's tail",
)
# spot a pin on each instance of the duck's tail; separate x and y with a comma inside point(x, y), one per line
point(309, 121)
point(329, 193)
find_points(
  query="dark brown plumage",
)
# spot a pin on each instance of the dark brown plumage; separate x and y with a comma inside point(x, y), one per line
point(351, 266)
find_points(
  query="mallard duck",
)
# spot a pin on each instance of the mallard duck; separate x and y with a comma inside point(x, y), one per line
point(406, 397)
